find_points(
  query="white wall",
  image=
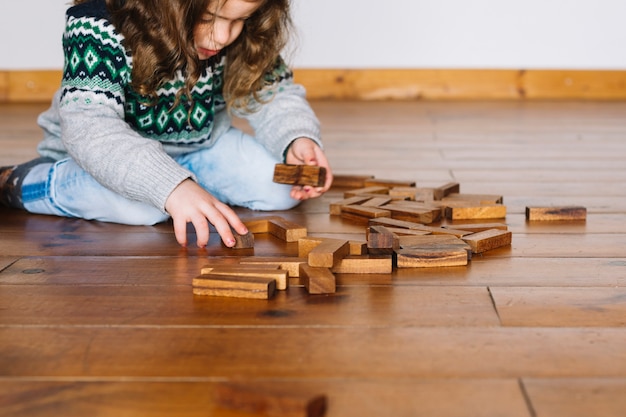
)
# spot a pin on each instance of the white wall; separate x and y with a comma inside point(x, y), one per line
point(564, 34)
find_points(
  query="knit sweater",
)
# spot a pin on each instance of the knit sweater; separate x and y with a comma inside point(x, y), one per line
point(97, 119)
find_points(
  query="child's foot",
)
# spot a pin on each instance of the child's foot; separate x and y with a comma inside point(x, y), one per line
point(11, 179)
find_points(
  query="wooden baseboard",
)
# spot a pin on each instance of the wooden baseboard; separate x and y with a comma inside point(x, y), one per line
point(388, 84)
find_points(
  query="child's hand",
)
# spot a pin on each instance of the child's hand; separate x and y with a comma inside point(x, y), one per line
point(304, 151)
point(190, 203)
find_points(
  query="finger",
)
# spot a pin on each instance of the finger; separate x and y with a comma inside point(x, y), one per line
point(202, 231)
point(223, 228)
point(180, 231)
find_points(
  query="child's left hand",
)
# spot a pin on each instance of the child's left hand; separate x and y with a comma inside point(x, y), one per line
point(304, 151)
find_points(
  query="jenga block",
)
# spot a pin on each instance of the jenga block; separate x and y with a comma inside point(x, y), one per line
point(243, 241)
point(366, 212)
point(248, 271)
point(234, 286)
point(488, 240)
point(317, 280)
point(381, 241)
point(300, 174)
point(376, 202)
point(358, 248)
point(289, 264)
point(445, 190)
point(413, 193)
point(556, 213)
point(485, 199)
point(468, 212)
point(417, 215)
point(335, 207)
point(364, 264)
point(375, 182)
point(433, 207)
point(439, 230)
point(307, 244)
point(439, 242)
point(234, 267)
point(366, 190)
point(350, 181)
point(431, 257)
point(399, 231)
point(385, 221)
point(328, 253)
point(478, 227)
point(259, 224)
point(286, 230)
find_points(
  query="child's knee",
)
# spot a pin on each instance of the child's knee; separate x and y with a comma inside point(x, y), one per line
point(277, 200)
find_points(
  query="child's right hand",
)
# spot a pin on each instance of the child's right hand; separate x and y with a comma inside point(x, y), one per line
point(190, 203)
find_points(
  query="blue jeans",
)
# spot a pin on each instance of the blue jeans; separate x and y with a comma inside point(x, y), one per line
point(237, 170)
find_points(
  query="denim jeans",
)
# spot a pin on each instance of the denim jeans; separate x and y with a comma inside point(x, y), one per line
point(237, 170)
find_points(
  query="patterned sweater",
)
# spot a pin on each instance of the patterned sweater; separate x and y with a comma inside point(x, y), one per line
point(98, 120)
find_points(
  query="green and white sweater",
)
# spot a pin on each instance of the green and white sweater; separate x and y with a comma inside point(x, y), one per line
point(99, 121)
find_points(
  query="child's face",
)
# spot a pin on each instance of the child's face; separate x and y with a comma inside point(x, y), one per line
point(221, 24)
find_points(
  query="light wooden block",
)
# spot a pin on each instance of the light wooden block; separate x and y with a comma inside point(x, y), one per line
point(335, 207)
point(234, 286)
point(365, 212)
point(358, 247)
point(376, 202)
point(366, 190)
point(300, 174)
point(556, 213)
point(435, 242)
point(417, 215)
point(243, 241)
point(364, 264)
point(267, 399)
point(430, 257)
point(328, 253)
point(485, 199)
point(317, 280)
point(234, 267)
point(375, 182)
point(446, 189)
point(350, 181)
point(475, 212)
point(289, 264)
point(488, 240)
point(281, 276)
point(286, 230)
point(381, 241)
point(259, 224)
point(389, 222)
point(478, 227)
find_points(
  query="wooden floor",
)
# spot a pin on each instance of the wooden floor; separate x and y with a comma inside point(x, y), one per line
point(99, 319)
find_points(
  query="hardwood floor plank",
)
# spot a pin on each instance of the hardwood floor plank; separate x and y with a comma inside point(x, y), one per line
point(561, 307)
point(346, 398)
point(254, 352)
point(174, 305)
point(577, 397)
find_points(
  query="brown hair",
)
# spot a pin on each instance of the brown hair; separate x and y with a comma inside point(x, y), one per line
point(159, 34)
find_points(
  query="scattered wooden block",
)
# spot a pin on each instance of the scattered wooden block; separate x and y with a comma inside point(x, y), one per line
point(381, 241)
point(361, 214)
point(234, 286)
point(366, 190)
point(259, 224)
point(300, 174)
point(281, 276)
point(335, 207)
point(485, 199)
point(399, 231)
point(207, 269)
point(478, 227)
point(417, 215)
point(328, 253)
point(556, 213)
point(440, 230)
point(243, 241)
point(358, 247)
point(317, 280)
point(350, 181)
point(286, 230)
point(365, 264)
point(307, 244)
point(376, 202)
point(384, 221)
point(469, 212)
point(445, 190)
point(488, 240)
point(431, 257)
point(269, 400)
point(289, 264)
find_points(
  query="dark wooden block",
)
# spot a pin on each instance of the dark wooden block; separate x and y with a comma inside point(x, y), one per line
point(300, 174)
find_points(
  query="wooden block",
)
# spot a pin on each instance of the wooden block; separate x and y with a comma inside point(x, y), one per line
point(556, 213)
point(445, 190)
point(375, 182)
point(366, 190)
point(468, 212)
point(485, 199)
point(234, 286)
point(272, 271)
point(433, 207)
point(235, 267)
point(243, 241)
point(358, 247)
point(328, 253)
point(317, 280)
point(286, 230)
point(289, 264)
point(385, 221)
point(440, 230)
point(478, 227)
point(488, 240)
point(376, 202)
point(413, 193)
point(300, 174)
point(430, 257)
point(410, 214)
point(307, 244)
point(259, 224)
point(267, 399)
point(399, 231)
point(366, 212)
point(381, 241)
point(335, 207)
point(364, 264)
point(350, 181)
point(435, 242)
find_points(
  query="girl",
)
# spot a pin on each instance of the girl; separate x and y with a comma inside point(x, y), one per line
point(140, 129)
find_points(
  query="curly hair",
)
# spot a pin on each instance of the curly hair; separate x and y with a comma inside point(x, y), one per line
point(159, 34)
